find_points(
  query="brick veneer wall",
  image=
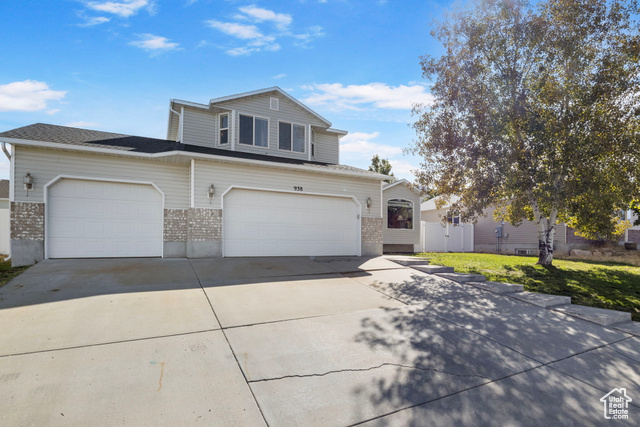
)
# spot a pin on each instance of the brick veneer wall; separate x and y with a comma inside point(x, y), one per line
point(371, 230)
point(27, 221)
point(634, 236)
point(204, 225)
point(175, 225)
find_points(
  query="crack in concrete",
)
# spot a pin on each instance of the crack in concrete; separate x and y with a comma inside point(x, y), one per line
point(370, 369)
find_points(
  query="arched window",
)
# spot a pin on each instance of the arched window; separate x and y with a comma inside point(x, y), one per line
point(399, 214)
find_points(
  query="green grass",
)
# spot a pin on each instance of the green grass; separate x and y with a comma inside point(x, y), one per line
point(610, 285)
point(7, 272)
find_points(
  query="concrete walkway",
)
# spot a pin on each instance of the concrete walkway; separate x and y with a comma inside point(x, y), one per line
point(295, 342)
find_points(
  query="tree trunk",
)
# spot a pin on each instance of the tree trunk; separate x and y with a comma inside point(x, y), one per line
point(546, 233)
point(545, 251)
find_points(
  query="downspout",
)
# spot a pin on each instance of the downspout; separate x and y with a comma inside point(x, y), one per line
point(179, 133)
point(6, 153)
point(4, 148)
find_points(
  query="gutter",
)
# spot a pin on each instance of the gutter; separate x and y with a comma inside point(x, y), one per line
point(200, 156)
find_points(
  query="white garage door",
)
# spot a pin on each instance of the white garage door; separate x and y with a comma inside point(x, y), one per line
point(267, 223)
point(97, 219)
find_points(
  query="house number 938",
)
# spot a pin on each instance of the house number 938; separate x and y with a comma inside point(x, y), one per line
point(296, 188)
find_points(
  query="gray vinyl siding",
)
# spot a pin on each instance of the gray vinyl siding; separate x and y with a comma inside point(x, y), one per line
point(44, 165)
point(200, 128)
point(484, 230)
point(525, 234)
point(225, 175)
point(258, 106)
point(433, 215)
point(398, 236)
point(327, 148)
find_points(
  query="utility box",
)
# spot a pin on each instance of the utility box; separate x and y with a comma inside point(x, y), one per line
point(499, 232)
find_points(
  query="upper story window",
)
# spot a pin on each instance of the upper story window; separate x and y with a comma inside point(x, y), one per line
point(291, 137)
point(400, 214)
point(254, 131)
point(224, 128)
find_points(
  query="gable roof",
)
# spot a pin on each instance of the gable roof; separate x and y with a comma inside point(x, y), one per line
point(268, 90)
point(53, 136)
point(401, 181)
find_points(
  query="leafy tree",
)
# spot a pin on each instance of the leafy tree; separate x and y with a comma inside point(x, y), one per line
point(537, 112)
point(381, 166)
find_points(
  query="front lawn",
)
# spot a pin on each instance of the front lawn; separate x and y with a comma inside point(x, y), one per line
point(7, 272)
point(611, 285)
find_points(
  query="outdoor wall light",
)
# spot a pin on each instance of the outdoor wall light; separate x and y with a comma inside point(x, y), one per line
point(211, 192)
point(369, 202)
point(28, 182)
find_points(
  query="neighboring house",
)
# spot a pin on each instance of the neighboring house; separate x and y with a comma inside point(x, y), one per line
point(5, 226)
point(401, 217)
point(492, 236)
point(253, 174)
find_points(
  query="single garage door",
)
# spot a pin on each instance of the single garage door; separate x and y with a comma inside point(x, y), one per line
point(98, 219)
point(268, 223)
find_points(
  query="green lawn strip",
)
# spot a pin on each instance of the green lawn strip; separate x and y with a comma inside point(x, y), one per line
point(7, 272)
point(609, 285)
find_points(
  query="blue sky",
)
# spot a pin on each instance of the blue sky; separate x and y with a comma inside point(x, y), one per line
point(114, 65)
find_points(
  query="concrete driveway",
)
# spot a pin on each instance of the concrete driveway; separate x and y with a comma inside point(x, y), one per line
point(294, 342)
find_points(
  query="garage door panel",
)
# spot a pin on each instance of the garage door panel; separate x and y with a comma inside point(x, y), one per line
point(93, 219)
point(264, 223)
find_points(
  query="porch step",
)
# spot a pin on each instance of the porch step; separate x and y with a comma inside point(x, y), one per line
point(600, 316)
point(498, 287)
point(407, 260)
point(541, 300)
point(462, 277)
point(433, 269)
point(632, 328)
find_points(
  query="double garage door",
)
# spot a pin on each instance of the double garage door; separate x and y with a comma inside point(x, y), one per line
point(99, 219)
point(271, 223)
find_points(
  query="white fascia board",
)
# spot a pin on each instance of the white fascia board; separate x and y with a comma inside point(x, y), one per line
point(266, 90)
point(189, 104)
point(401, 181)
point(200, 156)
point(338, 131)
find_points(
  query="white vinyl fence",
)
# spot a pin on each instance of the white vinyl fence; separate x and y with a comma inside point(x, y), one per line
point(4, 231)
point(439, 238)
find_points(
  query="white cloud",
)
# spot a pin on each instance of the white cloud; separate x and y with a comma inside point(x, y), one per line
point(262, 31)
point(155, 44)
point(81, 124)
point(360, 143)
point(124, 9)
point(280, 20)
point(403, 169)
point(28, 95)
point(244, 32)
point(93, 21)
point(311, 33)
point(280, 76)
point(358, 148)
point(52, 111)
point(356, 97)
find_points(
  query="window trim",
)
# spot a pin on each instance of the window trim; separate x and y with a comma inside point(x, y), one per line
point(220, 129)
point(292, 150)
point(413, 213)
point(254, 117)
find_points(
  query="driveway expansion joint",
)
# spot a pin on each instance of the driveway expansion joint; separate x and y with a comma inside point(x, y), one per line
point(399, 365)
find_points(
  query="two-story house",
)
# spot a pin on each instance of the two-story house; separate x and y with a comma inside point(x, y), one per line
point(253, 174)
